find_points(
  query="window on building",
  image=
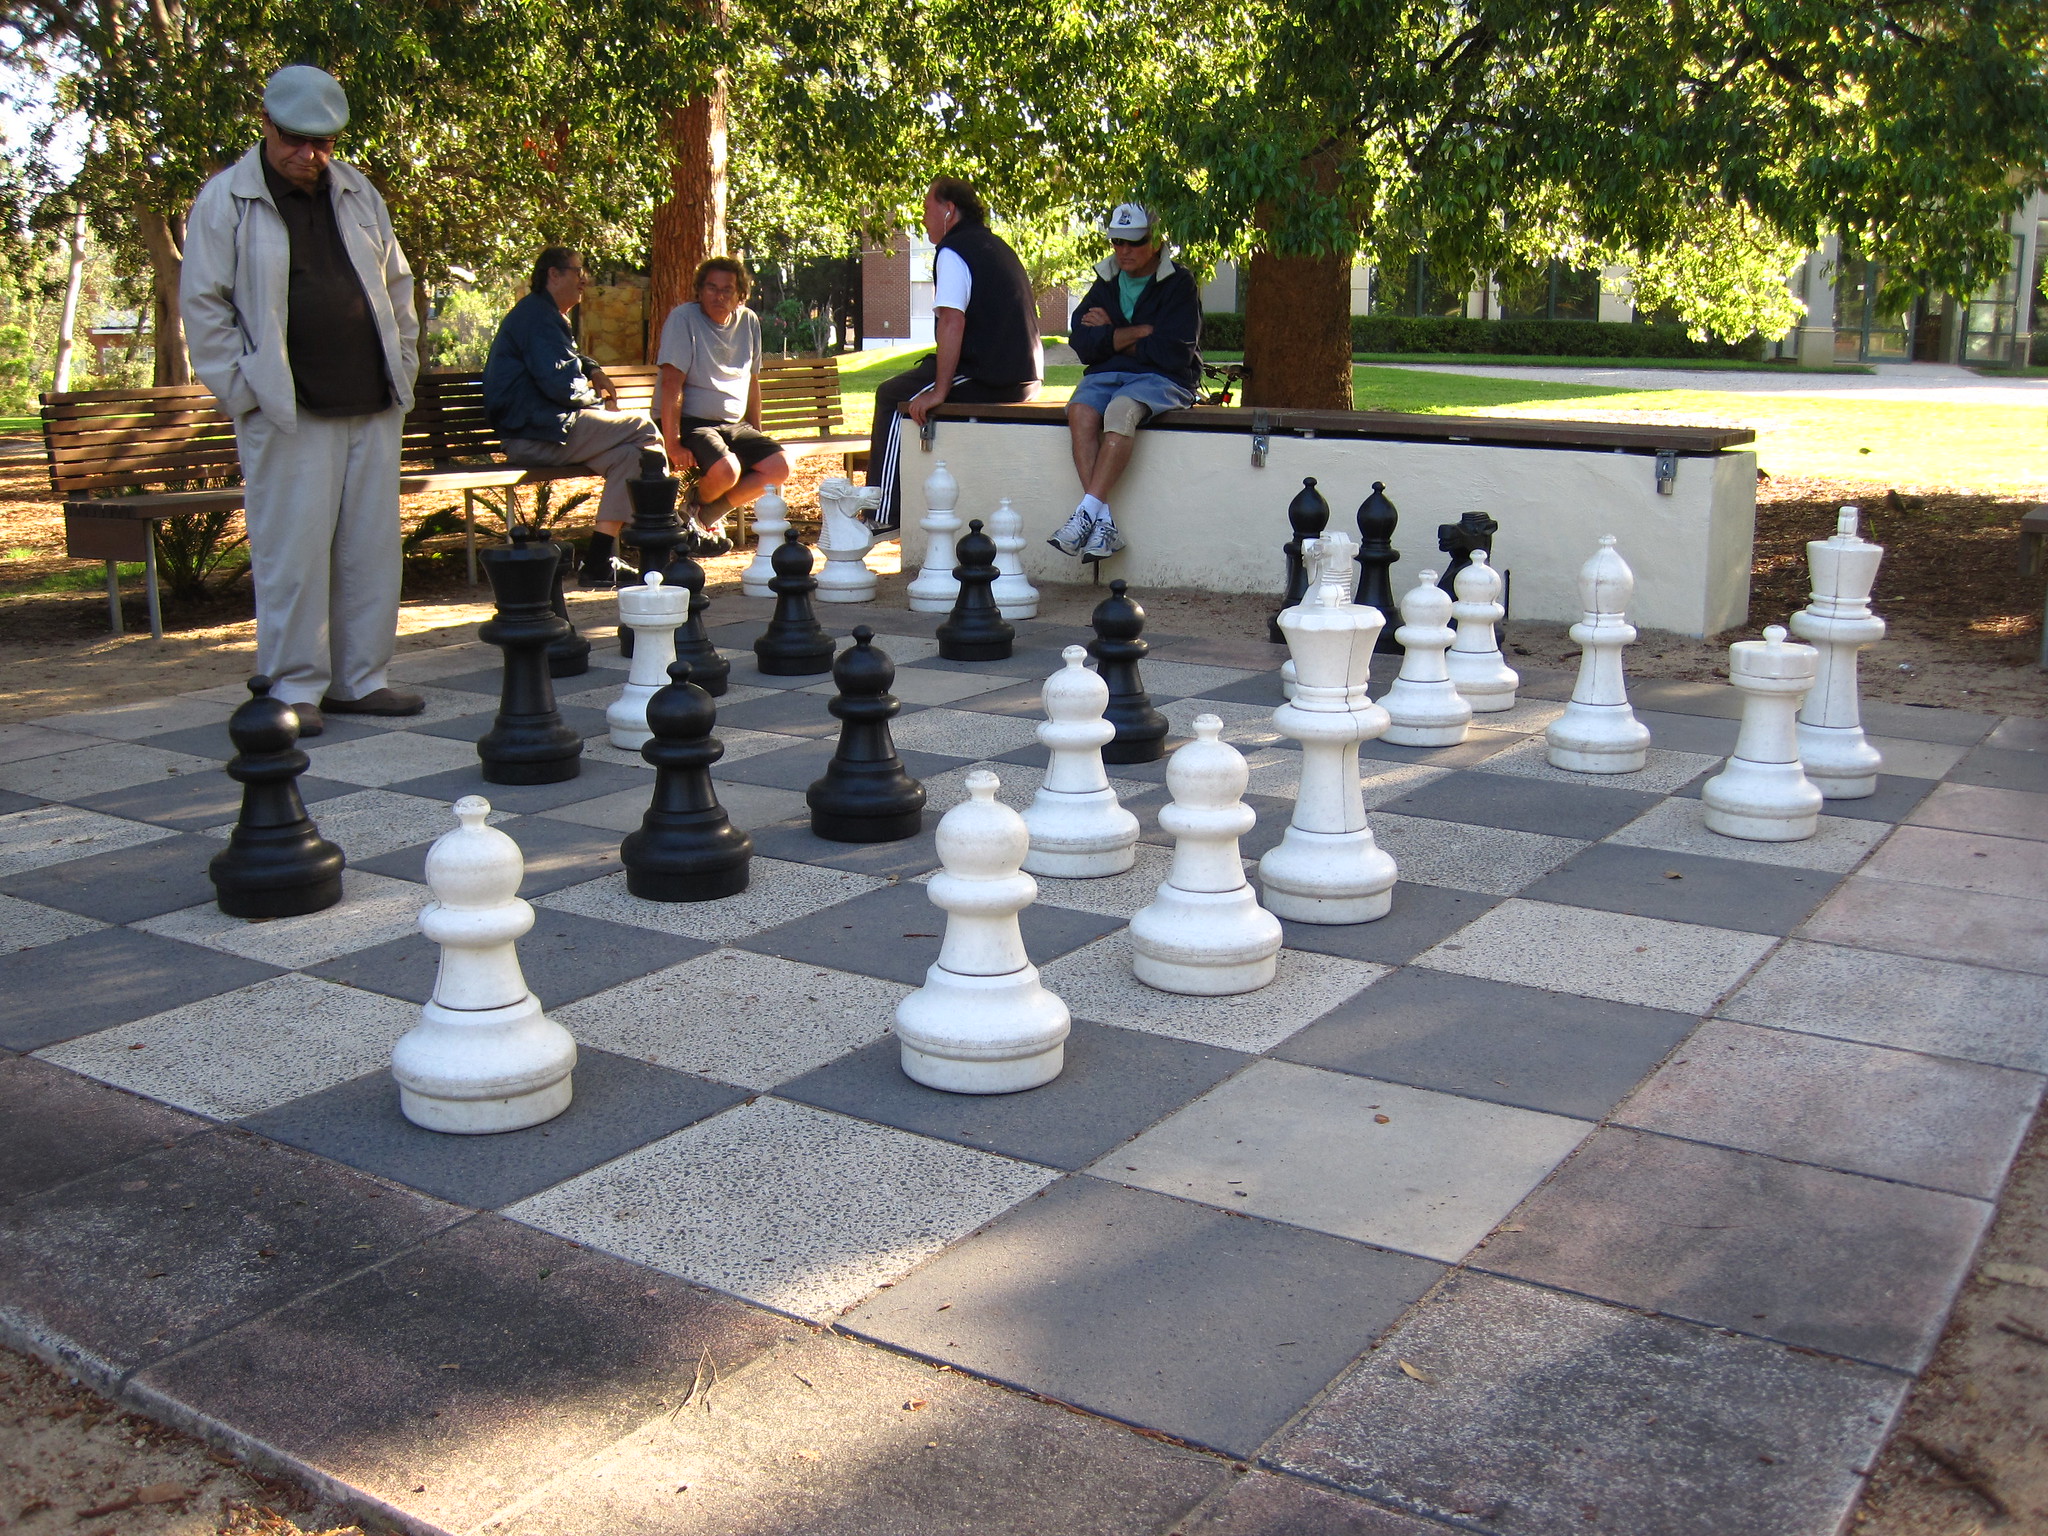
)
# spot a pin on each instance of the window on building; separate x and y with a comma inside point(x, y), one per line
point(1412, 287)
point(1866, 329)
point(1547, 290)
point(1992, 314)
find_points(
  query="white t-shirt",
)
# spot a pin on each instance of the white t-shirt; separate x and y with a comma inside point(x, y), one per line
point(952, 282)
point(718, 362)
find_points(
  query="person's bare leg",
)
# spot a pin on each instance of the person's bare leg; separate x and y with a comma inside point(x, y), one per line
point(717, 479)
point(749, 488)
point(1113, 458)
point(1084, 428)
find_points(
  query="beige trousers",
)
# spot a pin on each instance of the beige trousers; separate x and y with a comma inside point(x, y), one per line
point(321, 505)
point(608, 441)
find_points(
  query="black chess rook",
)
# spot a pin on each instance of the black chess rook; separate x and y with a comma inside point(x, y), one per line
point(276, 863)
point(570, 655)
point(1307, 515)
point(976, 630)
point(686, 848)
point(528, 743)
point(794, 644)
point(1376, 559)
point(865, 795)
point(1140, 729)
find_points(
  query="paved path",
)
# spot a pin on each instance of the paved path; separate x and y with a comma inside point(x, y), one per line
point(1890, 381)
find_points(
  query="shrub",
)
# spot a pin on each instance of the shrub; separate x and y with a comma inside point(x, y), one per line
point(1224, 332)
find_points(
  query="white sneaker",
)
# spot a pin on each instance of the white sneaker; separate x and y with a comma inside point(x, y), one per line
point(1103, 540)
point(1074, 532)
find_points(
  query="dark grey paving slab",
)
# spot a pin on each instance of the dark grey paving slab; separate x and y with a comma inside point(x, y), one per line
point(1686, 888)
point(1203, 1324)
point(467, 1370)
point(56, 1126)
point(580, 718)
point(1575, 1056)
point(620, 1104)
point(1247, 655)
point(126, 885)
point(797, 767)
point(194, 802)
point(136, 1262)
point(1475, 749)
point(1526, 805)
point(1547, 1414)
point(1116, 1082)
point(593, 781)
point(790, 714)
point(1804, 1255)
point(1026, 699)
point(1030, 660)
point(793, 840)
point(97, 980)
point(2019, 734)
point(557, 853)
point(212, 740)
point(1264, 689)
point(1422, 915)
point(1690, 733)
point(490, 682)
point(1922, 722)
point(10, 801)
point(1669, 696)
point(565, 956)
point(2003, 768)
point(1268, 1504)
point(1895, 800)
point(894, 933)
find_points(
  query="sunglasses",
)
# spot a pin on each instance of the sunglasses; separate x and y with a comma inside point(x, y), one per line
point(306, 141)
point(1130, 245)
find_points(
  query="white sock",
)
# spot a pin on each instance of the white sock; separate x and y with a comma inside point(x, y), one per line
point(1094, 506)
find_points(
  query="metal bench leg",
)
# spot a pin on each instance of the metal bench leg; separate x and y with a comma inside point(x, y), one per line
point(156, 612)
point(114, 595)
point(469, 531)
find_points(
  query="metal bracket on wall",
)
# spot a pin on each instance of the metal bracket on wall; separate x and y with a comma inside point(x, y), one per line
point(1667, 470)
point(1262, 438)
point(927, 430)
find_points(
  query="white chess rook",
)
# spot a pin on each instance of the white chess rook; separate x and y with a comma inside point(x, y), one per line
point(771, 522)
point(1424, 707)
point(1205, 933)
point(1598, 732)
point(934, 588)
point(1480, 673)
point(1327, 868)
point(654, 612)
point(845, 541)
point(982, 1022)
point(1079, 830)
point(1839, 623)
point(1763, 796)
point(483, 1057)
point(1013, 592)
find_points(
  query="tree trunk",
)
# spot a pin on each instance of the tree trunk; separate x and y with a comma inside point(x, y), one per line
point(690, 226)
point(67, 324)
point(1297, 332)
point(164, 239)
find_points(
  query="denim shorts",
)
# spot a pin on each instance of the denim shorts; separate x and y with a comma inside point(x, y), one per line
point(1153, 390)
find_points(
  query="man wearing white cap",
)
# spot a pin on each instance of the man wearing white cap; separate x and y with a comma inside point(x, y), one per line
point(299, 316)
point(1139, 330)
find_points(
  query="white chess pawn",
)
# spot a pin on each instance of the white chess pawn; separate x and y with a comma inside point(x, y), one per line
point(1424, 707)
point(771, 522)
point(483, 1056)
point(982, 1022)
point(1478, 670)
point(934, 588)
point(654, 613)
point(1205, 934)
point(1762, 795)
point(1013, 592)
point(1079, 830)
point(845, 541)
point(1837, 755)
point(1598, 732)
point(1327, 868)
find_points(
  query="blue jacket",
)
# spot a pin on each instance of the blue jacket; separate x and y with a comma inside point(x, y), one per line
point(535, 379)
point(1171, 304)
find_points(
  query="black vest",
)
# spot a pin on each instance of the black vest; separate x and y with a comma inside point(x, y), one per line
point(1000, 345)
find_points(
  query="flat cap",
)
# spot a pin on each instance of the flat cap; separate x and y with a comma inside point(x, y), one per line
point(302, 99)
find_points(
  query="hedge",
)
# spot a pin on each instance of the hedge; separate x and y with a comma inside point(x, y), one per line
point(1529, 338)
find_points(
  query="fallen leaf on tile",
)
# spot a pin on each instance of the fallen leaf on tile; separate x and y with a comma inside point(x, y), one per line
point(1382, 1119)
point(1417, 1373)
point(2017, 1274)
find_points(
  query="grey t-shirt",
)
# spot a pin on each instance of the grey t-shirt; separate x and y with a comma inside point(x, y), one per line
point(718, 362)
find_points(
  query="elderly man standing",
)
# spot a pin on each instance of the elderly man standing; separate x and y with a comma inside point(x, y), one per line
point(299, 316)
point(554, 406)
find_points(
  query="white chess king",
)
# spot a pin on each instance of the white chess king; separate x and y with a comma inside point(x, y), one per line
point(934, 589)
point(1424, 707)
point(1480, 673)
point(1838, 622)
point(1762, 795)
point(1079, 829)
point(1598, 732)
point(654, 612)
point(483, 1057)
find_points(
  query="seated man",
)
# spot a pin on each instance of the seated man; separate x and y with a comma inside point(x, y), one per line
point(1138, 330)
point(710, 358)
point(554, 406)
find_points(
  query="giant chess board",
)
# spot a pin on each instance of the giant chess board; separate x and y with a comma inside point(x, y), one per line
point(1620, 1179)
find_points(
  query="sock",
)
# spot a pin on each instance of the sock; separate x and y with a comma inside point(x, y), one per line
point(597, 554)
point(1094, 505)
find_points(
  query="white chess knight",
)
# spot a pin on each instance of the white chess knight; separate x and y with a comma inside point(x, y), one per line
point(1327, 868)
point(771, 522)
point(982, 1022)
point(1479, 672)
point(934, 589)
point(483, 1057)
point(654, 612)
point(1424, 707)
point(1205, 933)
point(1598, 732)
point(1013, 592)
point(845, 541)
point(1763, 795)
point(1079, 830)
point(1838, 622)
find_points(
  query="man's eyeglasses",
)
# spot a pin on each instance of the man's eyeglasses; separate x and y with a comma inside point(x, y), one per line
point(1130, 245)
point(307, 141)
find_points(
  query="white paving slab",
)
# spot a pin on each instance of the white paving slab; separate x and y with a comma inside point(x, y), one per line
point(95, 770)
point(1663, 772)
point(778, 891)
point(374, 909)
point(145, 717)
point(55, 834)
point(1678, 826)
point(391, 757)
point(18, 742)
point(1465, 857)
point(962, 733)
point(25, 925)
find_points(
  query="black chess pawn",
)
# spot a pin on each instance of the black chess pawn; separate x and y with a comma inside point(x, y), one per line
point(708, 670)
point(1475, 530)
point(686, 848)
point(794, 644)
point(1308, 515)
point(570, 655)
point(1140, 729)
point(528, 743)
point(865, 795)
point(276, 863)
point(656, 531)
point(976, 630)
point(1376, 558)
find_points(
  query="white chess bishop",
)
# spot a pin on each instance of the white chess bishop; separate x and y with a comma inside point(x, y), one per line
point(483, 1057)
point(844, 540)
point(934, 589)
point(1763, 795)
point(1079, 830)
point(654, 612)
point(1479, 672)
point(1205, 934)
point(771, 522)
point(1327, 868)
point(982, 1022)
point(1013, 592)
point(1838, 622)
point(1424, 707)
point(1598, 732)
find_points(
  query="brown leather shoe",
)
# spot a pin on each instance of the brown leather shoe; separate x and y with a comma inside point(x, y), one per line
point(385, 701)
point(310, 723)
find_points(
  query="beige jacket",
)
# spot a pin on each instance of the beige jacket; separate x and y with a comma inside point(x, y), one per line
point(237, 280)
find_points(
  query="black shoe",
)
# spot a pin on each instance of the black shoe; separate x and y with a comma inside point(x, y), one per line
point(596, 573)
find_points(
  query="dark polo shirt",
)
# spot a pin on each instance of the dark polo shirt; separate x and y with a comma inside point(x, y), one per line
point(330, 335)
